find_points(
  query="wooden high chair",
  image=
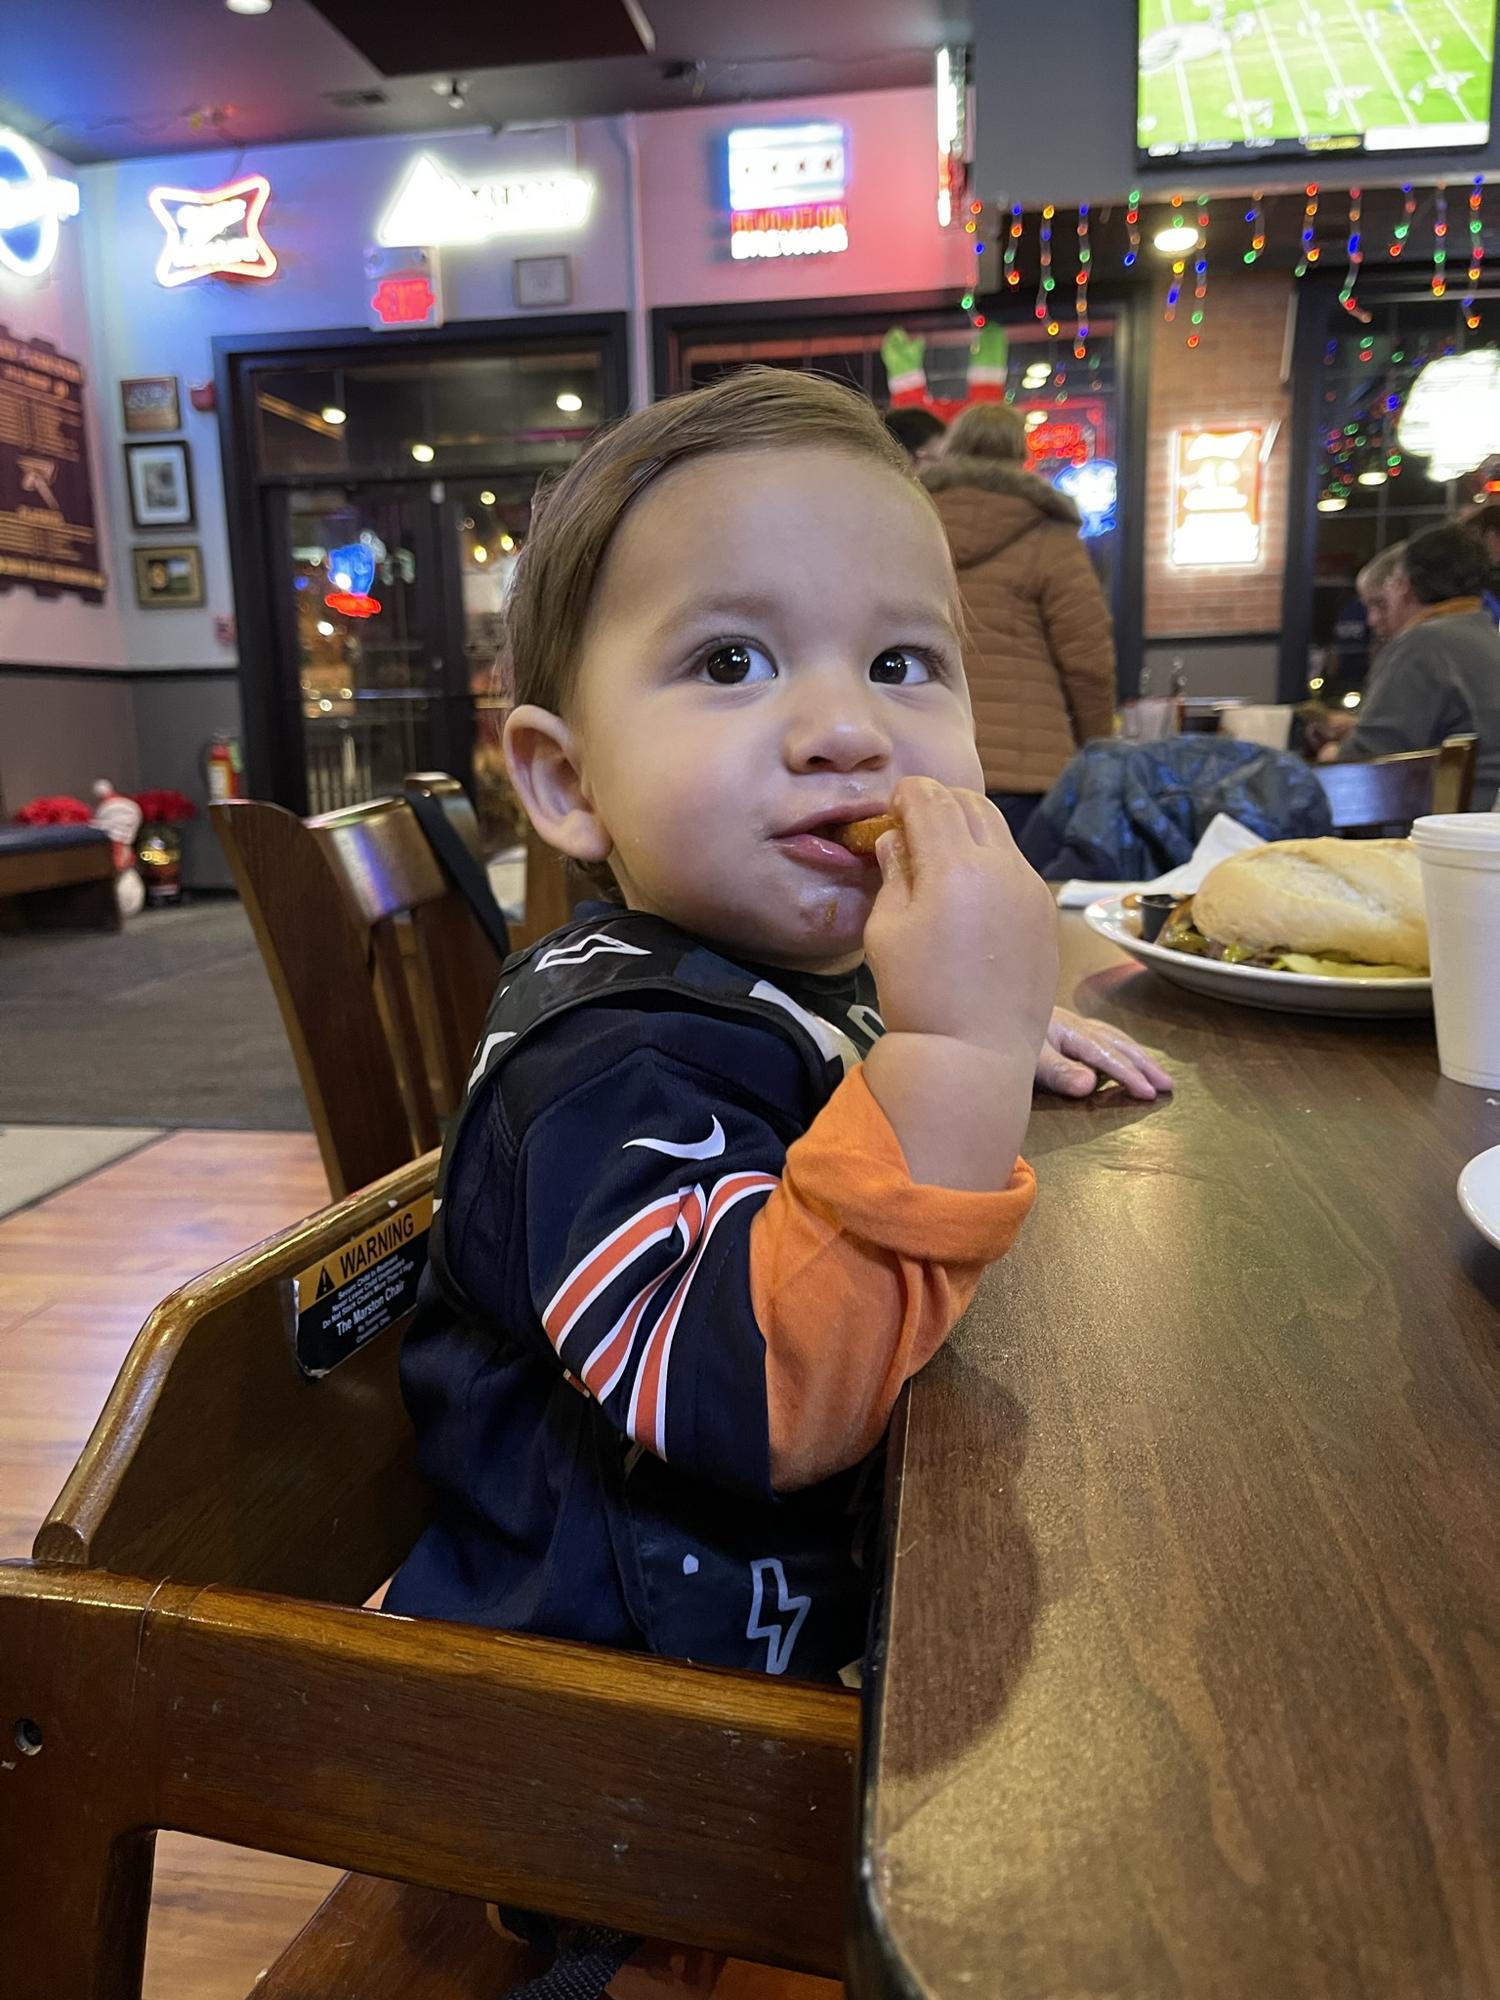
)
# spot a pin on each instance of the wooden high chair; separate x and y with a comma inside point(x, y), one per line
point(185, 1650)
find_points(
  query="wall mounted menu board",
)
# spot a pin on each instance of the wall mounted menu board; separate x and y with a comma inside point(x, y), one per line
point(48, 537)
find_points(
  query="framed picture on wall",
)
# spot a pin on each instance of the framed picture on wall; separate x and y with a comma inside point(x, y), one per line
point(169, 578)
point(542, 281)
point(151, 403)
point(161, 485)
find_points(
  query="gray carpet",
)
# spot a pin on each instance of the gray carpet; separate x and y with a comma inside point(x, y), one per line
point(171, 1022)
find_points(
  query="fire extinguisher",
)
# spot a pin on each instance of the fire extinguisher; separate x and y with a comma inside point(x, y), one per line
point(225, 767)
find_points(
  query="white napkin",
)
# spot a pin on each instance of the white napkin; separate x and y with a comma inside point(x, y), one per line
point(1223, 837)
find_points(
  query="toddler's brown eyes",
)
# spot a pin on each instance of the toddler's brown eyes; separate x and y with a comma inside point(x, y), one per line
point(732, 666)
point(899, 668)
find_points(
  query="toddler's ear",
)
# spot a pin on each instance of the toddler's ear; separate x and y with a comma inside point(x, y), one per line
point(541, 753)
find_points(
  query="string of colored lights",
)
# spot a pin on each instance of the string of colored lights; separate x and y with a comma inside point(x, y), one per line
point(1174, 290)
point(1046, 281)
point(1200, 272)
point(1347, 299)
point(1402, 229)
point(1012, 245)
point(1257, 227)
point(1439, 243)
point(1309, 232)
point(1476, 250)
point(1081, 283)
point(971, 229)
point(1133, 227)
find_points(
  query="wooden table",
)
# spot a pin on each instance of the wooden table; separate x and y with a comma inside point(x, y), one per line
point(1190, 1665)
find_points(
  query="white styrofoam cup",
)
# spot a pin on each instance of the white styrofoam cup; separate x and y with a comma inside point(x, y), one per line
point(1460, 859)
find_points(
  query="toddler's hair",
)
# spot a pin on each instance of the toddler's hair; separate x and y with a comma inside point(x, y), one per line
point(573, 521)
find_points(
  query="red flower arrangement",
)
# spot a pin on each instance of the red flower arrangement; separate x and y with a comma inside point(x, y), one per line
point(56, 811)
point(165, 808)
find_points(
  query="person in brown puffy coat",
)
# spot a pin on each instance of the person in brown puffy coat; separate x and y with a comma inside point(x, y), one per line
point(1039, 643)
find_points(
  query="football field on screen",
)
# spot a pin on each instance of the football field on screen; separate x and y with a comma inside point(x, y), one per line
point(1246, 70)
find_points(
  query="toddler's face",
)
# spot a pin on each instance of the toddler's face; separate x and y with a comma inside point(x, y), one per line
point(770, 650)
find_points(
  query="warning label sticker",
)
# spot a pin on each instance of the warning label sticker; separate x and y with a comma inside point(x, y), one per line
point(361, 1288)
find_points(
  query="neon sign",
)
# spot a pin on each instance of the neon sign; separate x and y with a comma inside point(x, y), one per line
point(214, 233)
point(351, 570)
point(1093, 488)
point(1215, 498)
point(33, 206)
point(786, 191)
point(434, 205)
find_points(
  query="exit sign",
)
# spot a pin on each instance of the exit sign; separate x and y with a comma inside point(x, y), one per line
point(403, 288)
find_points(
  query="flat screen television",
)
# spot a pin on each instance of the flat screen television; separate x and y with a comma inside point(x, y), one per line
point(1251, 79)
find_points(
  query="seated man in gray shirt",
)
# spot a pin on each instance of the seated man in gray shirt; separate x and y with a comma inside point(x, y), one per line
point(1440, 673)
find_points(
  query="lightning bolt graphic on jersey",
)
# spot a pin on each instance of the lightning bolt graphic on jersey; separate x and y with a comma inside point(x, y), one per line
point(780, 1628)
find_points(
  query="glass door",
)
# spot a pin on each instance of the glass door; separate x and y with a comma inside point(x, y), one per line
point(487, 521)
point(364, 625)
point(388, 490)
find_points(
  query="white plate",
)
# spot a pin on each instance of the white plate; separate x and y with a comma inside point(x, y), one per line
point(1479, 1193)
point(1256, 985)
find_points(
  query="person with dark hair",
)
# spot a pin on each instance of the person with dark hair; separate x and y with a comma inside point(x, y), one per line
point(1440, 674)
point(1485, 522)
point(918, 432)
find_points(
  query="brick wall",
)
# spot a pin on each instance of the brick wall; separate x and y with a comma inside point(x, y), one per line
point(1231, 378)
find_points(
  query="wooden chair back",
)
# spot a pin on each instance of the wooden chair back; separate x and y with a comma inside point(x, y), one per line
point(381, 972)
point(1453, 788)
point(217, 1460)
point(1390, 792)
point(1394, 791)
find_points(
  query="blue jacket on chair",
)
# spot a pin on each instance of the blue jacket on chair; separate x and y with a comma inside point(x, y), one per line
point(1126, 812)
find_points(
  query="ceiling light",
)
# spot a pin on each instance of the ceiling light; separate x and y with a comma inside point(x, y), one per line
point(486, 498)
point(423, 454)
point(507, 542)
point(1376, 476)
point(1351, 700)
point(1035, 417)
point(1332, 503)
point(332, 414)
point(569, 402)
point(248, 6)
point(325, 630)
point(481, 553)
point(1175, 238)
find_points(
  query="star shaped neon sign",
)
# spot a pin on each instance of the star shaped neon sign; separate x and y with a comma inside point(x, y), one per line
point(214, 233)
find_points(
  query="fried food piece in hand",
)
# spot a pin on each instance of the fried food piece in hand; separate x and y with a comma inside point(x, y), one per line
point(860, 835)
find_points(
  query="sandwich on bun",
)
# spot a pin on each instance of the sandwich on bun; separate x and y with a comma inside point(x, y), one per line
point(1346, 909)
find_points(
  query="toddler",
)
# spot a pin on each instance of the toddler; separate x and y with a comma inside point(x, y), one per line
point(742, 1137)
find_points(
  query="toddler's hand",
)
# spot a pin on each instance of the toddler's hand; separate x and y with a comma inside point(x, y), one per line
point(1078, 1052)
point(962, 938)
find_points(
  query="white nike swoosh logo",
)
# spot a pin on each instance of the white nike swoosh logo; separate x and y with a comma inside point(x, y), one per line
point(705, 1149)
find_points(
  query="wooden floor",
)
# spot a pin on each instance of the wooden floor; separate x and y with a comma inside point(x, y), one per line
point(78, 1274)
